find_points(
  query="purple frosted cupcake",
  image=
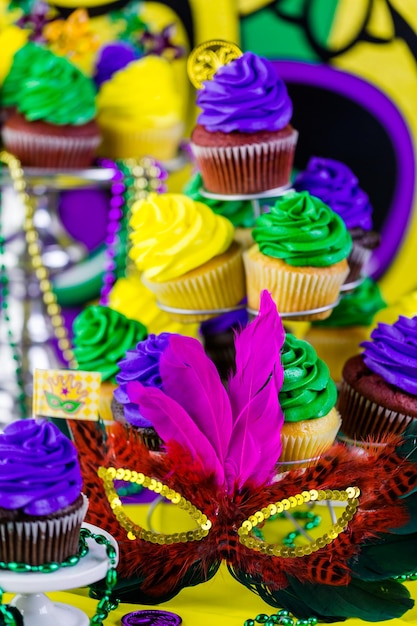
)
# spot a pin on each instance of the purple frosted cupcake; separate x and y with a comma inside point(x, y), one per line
point(336, 185)
point(41, 504)
point(112, 58)
point(140, 365)
point(378, 394)
point(219, 339)
point(243, 142)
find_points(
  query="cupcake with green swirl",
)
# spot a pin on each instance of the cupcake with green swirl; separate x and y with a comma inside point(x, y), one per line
point(102, 337)
point(307, 398)
point(299, 257)
point(53, 124)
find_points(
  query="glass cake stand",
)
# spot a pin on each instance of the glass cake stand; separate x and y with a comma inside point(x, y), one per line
point(36, 608)
point(254, 198)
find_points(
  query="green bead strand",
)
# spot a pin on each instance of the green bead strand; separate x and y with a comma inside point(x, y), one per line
point(105, 604)
point(282, 618)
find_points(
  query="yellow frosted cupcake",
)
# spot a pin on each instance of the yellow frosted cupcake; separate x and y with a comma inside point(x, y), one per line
point(307, 398)
point(299, 256)
point(187, 255)
point(140, 111)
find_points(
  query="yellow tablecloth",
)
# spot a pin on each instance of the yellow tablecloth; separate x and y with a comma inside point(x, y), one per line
point(219, 602)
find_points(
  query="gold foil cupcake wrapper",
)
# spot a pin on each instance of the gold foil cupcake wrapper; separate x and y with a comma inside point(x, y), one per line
point(159, 143)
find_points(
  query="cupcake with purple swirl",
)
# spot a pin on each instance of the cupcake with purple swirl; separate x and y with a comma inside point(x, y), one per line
point(378, 393)
point(41, 504)
point(243, 141)
point(140, 365)
point(335, 184)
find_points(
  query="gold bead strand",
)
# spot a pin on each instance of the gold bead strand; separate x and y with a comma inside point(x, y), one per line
point(53, 309)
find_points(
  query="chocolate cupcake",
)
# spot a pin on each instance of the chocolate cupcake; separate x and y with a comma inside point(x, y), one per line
point(54, 120)
point(336, 185)
point(243, 142)
point(378, 393)
point(41, 504)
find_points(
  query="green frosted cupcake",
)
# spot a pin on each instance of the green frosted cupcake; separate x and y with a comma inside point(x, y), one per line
point(54, 120)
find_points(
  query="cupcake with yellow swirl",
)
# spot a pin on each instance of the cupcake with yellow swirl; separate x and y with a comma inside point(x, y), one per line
point(299, 257)
point(307, 398)
point(187, 256)
point(54, 120)
point(140, 111)
point(101, 339)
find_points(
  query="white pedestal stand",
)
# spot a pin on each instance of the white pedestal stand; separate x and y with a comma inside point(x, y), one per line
point(37, 609)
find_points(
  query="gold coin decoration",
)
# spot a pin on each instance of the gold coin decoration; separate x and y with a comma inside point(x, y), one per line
point(204, 61)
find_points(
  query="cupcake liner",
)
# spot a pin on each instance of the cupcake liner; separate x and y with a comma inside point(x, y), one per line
point(357, 261)
point(50, 151)
point(246, 169)
point(159, 143)
point(216, 285)
point(292, 289)
point(306, 448)
point(37, 542)
point(362, 418)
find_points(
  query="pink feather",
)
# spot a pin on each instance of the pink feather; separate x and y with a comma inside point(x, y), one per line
point(172, 422)
point(253, 393)
point(189, 377)
point(257, 355)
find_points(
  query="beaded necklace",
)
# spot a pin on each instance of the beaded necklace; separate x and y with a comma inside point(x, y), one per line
point(34, 251)
point(105, 604)
point(4, 316)
point(132, 179)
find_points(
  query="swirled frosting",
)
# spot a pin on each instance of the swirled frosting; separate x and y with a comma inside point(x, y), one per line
point(246, 95)
point(308, 392)
point(131, 297)
point(44, 86)
point(302, 231)
point(239, 212)
point(392, 353)
point(356, 308)
point(227, 321)
point(142, 365)
point(39, 469)
point(102, 337)
point(11, 39)
point(336, 185)
point(172, 234)
point(142, 95)
point(112, 58)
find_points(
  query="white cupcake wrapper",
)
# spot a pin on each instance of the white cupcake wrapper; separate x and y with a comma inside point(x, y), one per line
point(362, 418)
point(298, 447)
point(39, 542)
point(358, 260)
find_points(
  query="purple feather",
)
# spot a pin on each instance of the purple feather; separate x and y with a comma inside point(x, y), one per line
point(190, 378)
point(172, 422)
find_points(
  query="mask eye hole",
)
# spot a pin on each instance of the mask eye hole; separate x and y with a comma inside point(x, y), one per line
point(249, 538)
point(109, 474)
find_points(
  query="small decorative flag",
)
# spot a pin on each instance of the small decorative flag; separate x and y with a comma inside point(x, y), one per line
point(67, 394)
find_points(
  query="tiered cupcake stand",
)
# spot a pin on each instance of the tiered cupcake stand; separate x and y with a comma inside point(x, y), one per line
point(37, 609)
